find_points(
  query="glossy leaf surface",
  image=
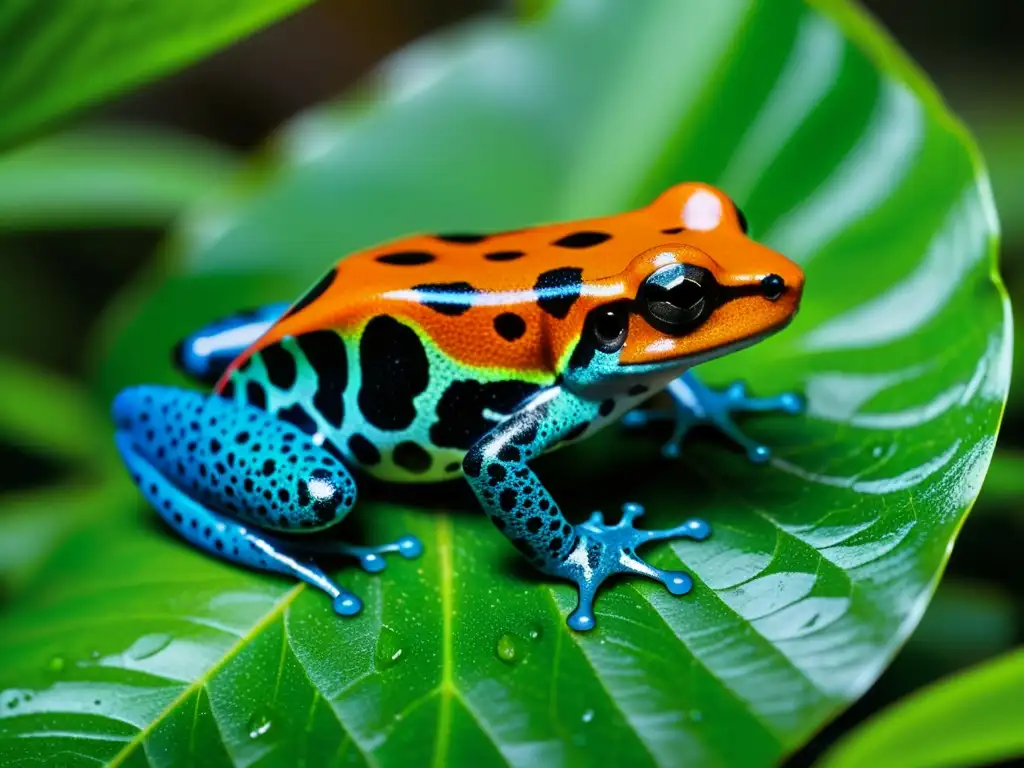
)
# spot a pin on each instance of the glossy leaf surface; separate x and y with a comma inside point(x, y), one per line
point(61, 57)
point(969, 719)
point(106, 176)
point(820, 564)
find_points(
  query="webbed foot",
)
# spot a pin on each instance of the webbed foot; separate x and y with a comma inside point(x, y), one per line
point(603, 550)
point(694, 404)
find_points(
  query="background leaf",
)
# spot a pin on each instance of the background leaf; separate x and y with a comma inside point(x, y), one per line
point(42, 412)
point(108, 175)
point(970, 719)
point(821, 564)
point(59, 58)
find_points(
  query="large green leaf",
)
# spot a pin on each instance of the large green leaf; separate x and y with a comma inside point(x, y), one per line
point(822, 562)
point(61, 56)
point(973, 718)
point(41, 412)
point(109, 175)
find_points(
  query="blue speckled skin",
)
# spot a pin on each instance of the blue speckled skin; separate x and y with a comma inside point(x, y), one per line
point(225, 474)
point(191, 454)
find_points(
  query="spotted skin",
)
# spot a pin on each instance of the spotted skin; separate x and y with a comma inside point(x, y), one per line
point(456, 354)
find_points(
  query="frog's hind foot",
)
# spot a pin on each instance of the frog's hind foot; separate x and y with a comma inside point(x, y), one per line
point(695, 404)
point(602, 550)
point(371, 559)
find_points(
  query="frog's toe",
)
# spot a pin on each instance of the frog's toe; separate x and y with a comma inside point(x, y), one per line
point(602, 550)
point(639, 418)
point(736, 400)
point(371, 559)
point(347, 604)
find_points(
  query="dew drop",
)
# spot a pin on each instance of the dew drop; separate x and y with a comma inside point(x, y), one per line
point(148, 645)
point(535, 632)
point(13, 697)
point(508, 649)
point(389, 648)
point(260, 723)
point(588, 716)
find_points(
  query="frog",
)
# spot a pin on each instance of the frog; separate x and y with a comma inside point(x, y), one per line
point(459, 355)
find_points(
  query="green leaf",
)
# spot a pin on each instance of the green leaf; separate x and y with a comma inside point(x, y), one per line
point(34, 524)
point(1000, 139)
point(1004, 484)
point(43, 413)
point(970, 719)
point(61, 57)
point(109, 175)
point(821, 563)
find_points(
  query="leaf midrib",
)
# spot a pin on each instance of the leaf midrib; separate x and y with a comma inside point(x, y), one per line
point(200, 682)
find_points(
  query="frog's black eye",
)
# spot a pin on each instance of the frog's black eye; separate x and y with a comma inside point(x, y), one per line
point(608, 326)
point(678, 297)
point(741, 218)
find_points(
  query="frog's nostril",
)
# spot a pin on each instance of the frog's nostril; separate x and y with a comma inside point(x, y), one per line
point(772, 286)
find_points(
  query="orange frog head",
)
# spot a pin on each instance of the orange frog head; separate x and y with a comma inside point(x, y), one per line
point(696, 288)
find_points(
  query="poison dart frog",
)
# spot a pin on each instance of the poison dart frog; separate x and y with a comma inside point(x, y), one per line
point(439, 356)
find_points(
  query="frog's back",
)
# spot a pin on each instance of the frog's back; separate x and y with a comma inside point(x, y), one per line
point(405, 354)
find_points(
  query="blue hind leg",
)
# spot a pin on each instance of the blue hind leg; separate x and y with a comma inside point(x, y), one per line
point(221, 536)
point(222, 473)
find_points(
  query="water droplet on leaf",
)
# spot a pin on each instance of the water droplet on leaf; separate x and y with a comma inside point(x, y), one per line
point(148, 645)
point(588, 716)
point(508, 649)
point(260, 723)
point(389, 648)
point(535, 633)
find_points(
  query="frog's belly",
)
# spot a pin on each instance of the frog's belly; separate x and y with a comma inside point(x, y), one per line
point(399, 424)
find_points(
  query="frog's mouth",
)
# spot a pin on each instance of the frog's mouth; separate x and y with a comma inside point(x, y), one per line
point(678, 352)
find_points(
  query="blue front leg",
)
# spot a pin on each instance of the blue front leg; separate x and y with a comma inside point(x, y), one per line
point(696, 403)
point(523, 510)
point(222, 473)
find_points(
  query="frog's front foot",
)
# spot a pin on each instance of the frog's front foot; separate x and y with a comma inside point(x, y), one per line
point(695, 404)
point(602, 550)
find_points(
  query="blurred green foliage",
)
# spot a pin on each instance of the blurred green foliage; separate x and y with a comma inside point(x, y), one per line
point(87, 526)
point(61, 58)
point(971, 719)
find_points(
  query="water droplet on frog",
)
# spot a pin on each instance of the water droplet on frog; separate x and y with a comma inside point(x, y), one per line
point(508, 649)
point(56, 664)
point(260, 722)
point(148, 645)
point(588, 716)
point(876, 451)
point(389, 648)
point(535, 632)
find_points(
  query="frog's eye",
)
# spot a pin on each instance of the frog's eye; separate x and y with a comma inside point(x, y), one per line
point(677, 297)
point(608, 326)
